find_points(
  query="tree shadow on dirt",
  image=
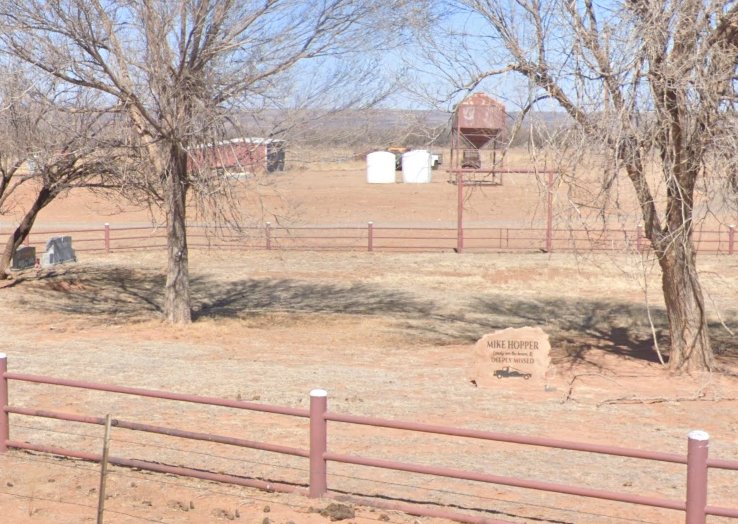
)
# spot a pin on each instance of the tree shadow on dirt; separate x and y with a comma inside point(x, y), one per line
point(233, 299)
point(108, 295)
point(120, 295)
point(577, 327)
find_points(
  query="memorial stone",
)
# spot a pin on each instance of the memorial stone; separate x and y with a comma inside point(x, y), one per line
point(58, 251)
point(511, 356)
point(24, 257)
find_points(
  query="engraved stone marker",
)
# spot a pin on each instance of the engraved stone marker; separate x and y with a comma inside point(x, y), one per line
point(25, 257)
point(511, 356)
point(58, 251)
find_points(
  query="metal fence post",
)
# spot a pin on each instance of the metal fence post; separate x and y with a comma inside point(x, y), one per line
point(318, 443)
point(731, 239)
point(699, 443)
point(268, 235)
point(460, 212)
point(370, 236)
point(549, 213)
point(4, 418)
point(107, 238)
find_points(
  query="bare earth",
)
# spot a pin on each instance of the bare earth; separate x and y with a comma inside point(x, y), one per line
point(386, 335)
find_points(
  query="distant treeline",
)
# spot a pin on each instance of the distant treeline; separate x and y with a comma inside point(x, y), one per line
point(381, 128)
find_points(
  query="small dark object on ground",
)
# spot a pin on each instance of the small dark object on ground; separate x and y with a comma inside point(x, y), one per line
point(338, 512)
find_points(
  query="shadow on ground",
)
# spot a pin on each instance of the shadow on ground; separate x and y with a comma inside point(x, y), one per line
point(233, 299)
point(126, 295)
point(576, 327)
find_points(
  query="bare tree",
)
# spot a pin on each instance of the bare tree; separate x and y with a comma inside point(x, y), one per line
point(48, 146)
point(16, 126)
point(649, 86)
point(179, 69)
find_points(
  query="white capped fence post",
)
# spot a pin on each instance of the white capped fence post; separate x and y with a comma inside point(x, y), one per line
point(318, 443)
point(4, 418)
point(699, 443)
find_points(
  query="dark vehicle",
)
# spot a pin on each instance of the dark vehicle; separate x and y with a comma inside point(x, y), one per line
point(398, 152)
point(507, 372)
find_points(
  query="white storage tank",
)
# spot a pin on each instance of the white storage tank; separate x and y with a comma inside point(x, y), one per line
point(380, 167)
point(416, 167)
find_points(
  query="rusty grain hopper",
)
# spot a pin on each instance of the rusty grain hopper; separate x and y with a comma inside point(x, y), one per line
point(477, 123)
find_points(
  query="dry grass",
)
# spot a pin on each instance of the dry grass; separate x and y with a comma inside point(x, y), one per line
point(386, 335)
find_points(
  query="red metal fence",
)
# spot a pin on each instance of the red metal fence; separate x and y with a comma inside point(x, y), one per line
point(695, 506)
point(374, 237)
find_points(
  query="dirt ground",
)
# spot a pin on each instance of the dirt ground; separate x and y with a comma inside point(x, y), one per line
point(387, 335)
point(328, 194)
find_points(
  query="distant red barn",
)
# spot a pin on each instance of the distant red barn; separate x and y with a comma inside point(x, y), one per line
point(240, 156)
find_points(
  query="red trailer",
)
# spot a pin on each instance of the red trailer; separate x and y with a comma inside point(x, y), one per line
point(240, 156)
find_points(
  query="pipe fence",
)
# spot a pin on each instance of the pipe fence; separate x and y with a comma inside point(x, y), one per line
point(375, 237)
point(695, 506)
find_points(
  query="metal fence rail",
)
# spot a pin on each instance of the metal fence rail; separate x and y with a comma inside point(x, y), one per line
point(374, 237)
point(697, 462)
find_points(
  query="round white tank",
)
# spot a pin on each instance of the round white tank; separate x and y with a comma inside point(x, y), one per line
point(416, 167)
point(380, 167)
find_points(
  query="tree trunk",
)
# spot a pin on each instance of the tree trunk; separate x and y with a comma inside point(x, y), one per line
point(685, 308)
point(44, 196)
point(177, 287)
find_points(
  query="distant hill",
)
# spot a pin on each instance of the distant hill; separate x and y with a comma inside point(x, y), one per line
point(366, 127)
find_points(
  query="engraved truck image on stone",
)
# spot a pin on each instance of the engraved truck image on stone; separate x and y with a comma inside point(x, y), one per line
point(512, 353)
point(508, 372)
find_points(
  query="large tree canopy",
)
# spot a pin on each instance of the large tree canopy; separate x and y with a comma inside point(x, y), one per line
point(177, 70)
point(650, 88)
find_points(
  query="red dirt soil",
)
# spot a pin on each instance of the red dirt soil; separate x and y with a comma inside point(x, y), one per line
point(387, 335)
